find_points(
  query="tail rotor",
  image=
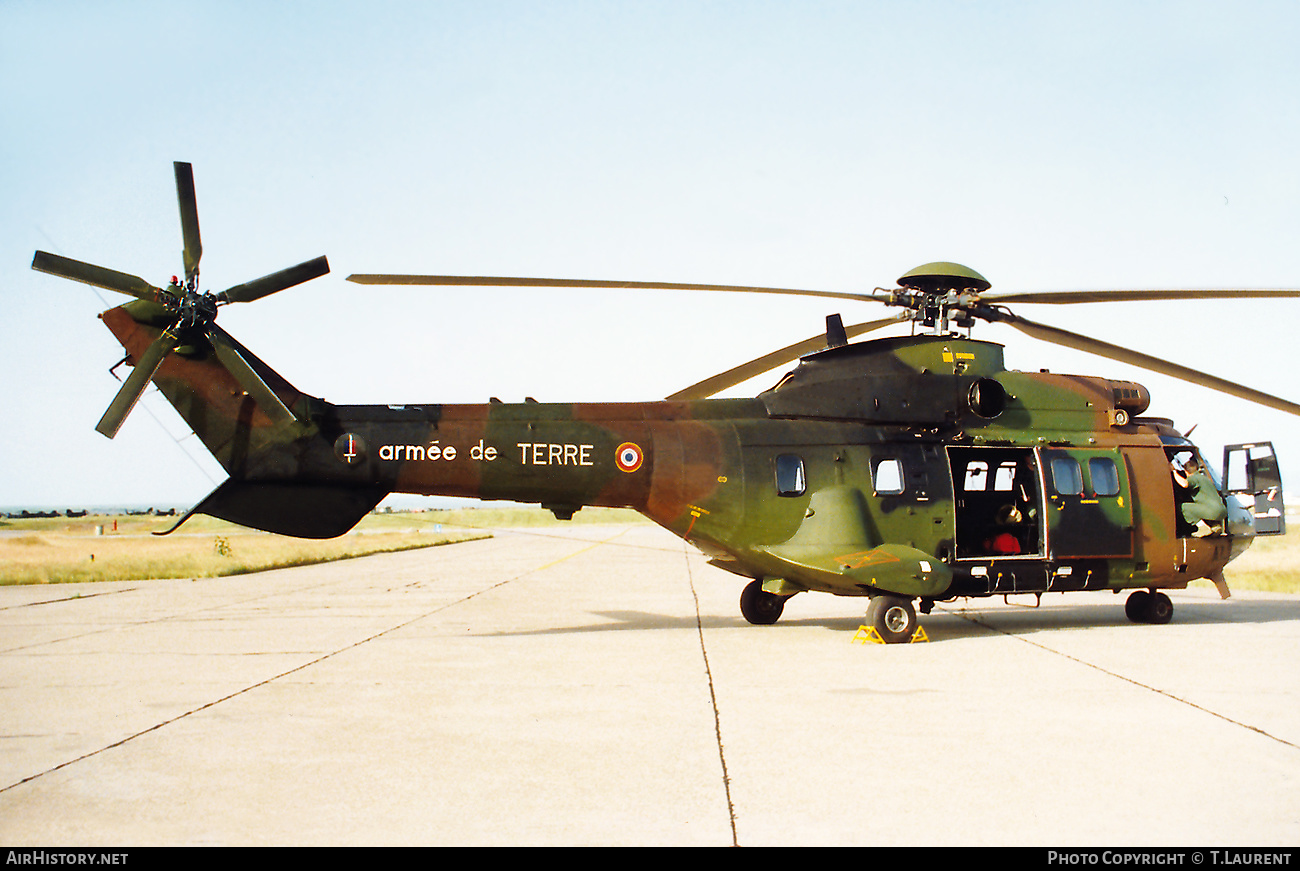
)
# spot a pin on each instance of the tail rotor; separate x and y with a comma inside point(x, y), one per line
point(189, 316)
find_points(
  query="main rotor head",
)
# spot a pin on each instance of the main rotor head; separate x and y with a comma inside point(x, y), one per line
point(943, 295)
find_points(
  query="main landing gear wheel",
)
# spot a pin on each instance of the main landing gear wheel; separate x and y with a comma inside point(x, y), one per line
point(759, 606)
point(1149, 607)
point(893, 618)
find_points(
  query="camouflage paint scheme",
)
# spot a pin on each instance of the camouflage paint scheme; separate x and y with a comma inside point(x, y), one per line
point(898, 469)
point(936, 412)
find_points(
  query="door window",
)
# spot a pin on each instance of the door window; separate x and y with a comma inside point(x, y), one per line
point(1067, 478)
point(1103, 476)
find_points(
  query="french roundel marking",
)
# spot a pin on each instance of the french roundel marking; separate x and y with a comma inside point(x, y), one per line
point(628, 457)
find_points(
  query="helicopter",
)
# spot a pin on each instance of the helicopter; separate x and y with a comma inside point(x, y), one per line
point(907, 470)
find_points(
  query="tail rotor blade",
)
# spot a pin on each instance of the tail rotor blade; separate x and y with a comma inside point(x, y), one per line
point(252, 383)
point(98, 276)
point(134, 386)
point(277, 281)
point(189, 218)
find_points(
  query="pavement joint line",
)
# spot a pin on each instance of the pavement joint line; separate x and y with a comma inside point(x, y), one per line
point(556, 562)
point(155, 727)
point(164, 619)
point(962, 613)
point(713, 700)
point(67, 599)
point(241, 602)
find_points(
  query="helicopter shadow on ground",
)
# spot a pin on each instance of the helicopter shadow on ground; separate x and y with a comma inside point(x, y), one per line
point(635, 621)
point(643, 621)
point(1028, 619)
point(952, 621)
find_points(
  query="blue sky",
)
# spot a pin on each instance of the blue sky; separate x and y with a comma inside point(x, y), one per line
point(1053, 146)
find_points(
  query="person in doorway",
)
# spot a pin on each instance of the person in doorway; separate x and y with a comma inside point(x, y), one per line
point(1206, 510)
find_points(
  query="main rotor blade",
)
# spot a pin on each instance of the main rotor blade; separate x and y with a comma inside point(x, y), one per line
point(1067, 339)
point(277, 281)
point(189, 218)
point(492, 281)
point(745, 371)
point(252, 383)
point(134, 386)
point(1067, 297)
point(87, 273)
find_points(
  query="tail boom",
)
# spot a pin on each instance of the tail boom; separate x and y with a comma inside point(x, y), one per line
point(318, 475)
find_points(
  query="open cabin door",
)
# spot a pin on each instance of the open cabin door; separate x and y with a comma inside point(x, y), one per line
point(997, 502)
point(1250, 471)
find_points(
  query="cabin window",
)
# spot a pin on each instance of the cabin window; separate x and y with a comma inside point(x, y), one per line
point(1004, 480)
point(888, 478)
point(1104, 476)
point(1067, 477)
point(977, 476)
point(790, 478)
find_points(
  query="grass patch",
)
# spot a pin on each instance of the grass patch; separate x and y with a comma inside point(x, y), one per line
point(58, 550)
point(60, 558)
point(488, 518)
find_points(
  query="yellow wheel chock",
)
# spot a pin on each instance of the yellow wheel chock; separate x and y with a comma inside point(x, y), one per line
point(869, 635)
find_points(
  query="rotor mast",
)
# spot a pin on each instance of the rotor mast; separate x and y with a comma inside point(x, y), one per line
point(942, 296)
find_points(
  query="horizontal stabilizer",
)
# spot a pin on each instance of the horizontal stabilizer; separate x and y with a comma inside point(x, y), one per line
point(286, 508)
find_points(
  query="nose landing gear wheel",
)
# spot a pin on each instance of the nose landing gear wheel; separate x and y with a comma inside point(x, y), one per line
point(1135, 606)
point(1149, 607)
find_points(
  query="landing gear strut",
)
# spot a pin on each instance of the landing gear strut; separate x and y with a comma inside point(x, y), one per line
point(759, 606)
point(1149, 606)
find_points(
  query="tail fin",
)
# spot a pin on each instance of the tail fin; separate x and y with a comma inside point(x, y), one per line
point(258, 426)
point(222, 414)
point(274, 465)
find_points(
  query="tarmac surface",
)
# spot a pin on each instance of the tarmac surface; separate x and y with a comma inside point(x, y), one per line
point(596, 685)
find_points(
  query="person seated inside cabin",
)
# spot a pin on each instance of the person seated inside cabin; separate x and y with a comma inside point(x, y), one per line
point(1004, 542)
point(1205, 511)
